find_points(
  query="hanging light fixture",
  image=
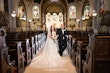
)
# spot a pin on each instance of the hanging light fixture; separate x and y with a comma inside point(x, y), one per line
point(54, 1)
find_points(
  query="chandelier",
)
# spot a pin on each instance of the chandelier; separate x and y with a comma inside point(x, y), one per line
point(54, 0)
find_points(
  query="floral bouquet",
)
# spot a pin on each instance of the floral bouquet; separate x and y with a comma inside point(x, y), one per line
point(54, 37)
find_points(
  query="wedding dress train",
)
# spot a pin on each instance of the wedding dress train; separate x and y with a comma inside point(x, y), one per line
point(49, 56)
point(48, 60)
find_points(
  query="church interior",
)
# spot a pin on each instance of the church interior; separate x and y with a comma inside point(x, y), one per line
point(25, 23)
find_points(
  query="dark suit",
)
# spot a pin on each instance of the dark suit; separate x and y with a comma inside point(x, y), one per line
point(62, 40)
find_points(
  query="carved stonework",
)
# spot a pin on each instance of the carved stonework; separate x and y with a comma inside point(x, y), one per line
point(99, 60)
point(102, 48)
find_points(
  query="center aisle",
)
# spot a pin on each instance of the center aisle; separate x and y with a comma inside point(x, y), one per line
point(68, 68)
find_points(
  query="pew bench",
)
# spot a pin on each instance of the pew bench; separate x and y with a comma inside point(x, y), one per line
point(6, 66)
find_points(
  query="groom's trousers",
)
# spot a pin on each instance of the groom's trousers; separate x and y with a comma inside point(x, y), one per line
point(61, 49)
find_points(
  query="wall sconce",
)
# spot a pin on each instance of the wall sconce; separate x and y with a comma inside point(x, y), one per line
point(30, 20)
point(94, 13)
point(83, 18)
point(13, 14)
point(78, 20)
point(24, 18)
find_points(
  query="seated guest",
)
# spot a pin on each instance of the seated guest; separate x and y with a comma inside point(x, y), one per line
point(2, 38)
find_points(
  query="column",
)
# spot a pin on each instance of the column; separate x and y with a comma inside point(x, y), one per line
point(1, 5)
point(13, 18)
point(10, 11)
point(29, 21)
point(13, 14)
point(94, 19)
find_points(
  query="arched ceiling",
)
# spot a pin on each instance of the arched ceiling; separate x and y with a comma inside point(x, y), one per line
point(38, 1)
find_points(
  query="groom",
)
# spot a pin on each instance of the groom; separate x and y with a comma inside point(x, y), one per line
point(62, 38)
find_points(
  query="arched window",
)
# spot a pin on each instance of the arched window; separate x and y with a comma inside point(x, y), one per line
point(72, 11)
point(60, 17)
point(86, 12)
point(21, 12)
point(35, 11)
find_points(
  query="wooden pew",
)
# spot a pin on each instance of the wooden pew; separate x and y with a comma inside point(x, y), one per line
point(33, 46)
point(36, 43)
point(84, 38)
point(78, 57)
point(87, 63)
point(20, 57)
point(6, 66)
point(28, 53)
point(17, 54)
point(25, 45)
point(98, 57)
point(41, 38)
point(72, 51)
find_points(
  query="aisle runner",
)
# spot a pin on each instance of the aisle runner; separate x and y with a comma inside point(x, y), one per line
point(68, 68)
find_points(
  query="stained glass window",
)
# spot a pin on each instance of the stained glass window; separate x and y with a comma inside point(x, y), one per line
point(72, 11)
point(87, 12)
point(60, 17)
point(36, 12)
point(54, 16)
point(21, 12)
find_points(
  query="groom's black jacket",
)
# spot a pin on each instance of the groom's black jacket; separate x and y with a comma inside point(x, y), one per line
point(62, 38)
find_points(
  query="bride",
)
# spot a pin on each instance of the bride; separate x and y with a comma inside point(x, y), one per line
point(49, 56)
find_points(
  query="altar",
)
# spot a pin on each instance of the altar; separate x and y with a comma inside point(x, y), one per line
point(54, 19)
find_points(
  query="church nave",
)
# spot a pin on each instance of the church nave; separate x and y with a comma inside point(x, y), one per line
point(82, 27)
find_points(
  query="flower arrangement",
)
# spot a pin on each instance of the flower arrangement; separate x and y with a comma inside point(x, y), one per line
point(54, 37)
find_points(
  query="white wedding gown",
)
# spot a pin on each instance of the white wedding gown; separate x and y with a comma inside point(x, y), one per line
point(49, 56)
